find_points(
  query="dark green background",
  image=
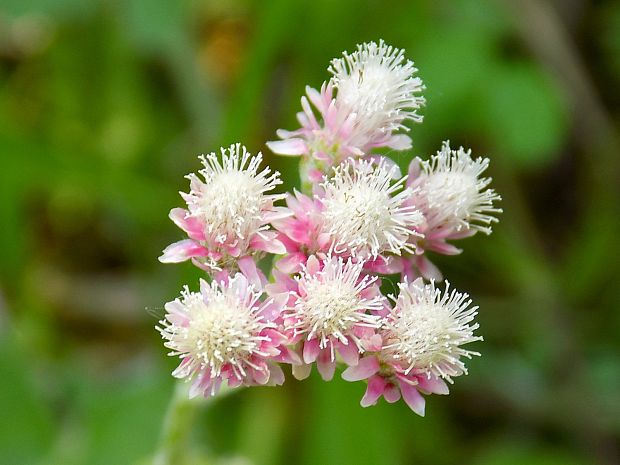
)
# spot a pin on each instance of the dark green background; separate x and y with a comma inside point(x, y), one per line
point(104, 106)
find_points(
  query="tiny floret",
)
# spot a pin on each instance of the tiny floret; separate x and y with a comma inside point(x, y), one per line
point(427, 328)
point(365, 212)
point(228, 211)
point(232, 199)
point(452, 193)
point(332, 302)
point(377, 84)
point(365, 105)
point(221, 332)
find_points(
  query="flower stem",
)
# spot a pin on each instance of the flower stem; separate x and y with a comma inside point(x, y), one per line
point(174, 447)
point(173, 442)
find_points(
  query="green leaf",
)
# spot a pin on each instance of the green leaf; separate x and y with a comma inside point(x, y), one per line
point(26, 427)
point(525, 114)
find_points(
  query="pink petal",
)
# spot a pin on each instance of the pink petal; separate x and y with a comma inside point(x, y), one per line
point(291, 263)
point(413, 398)
point(183, 370)
point(366, 367)
point(272, 309)
point(326, 365)
point(234, 382)
point(315, 176)
point(428, 269)
point(314, 97)
point(399, 142)
point(349, 353)
point(462, 234)
point(414, 170)
point(324, 240)
point(376, 387)
point(248, 267)
point(283, 278)
point(444, 248)
point(321, 156)
point(391, 393)
point(388, 163)
point(276, 377)
point(268, 244)
point(181, 251)
point(385, 265)
point(434, 385)
point(303, 119)
point(288, 226)
point(293, 147)
point(409, 273)
point(305, 105)
point(331, 115)
point(299, 232)
point(260, 376)
point(275, 337)
point(288, 356)
point(222, 276)
point(301, 371)
point(306, 204)
point(346, 128)
point(284, 134)
point(233, 249)
point(312, 265)
point(311, 350)
point(192, 226)
point(201, 384)
point(202, 265)
point(373, 343)
point(277, 213)
point(176, 313)
point(276, 288)
point(293, 202)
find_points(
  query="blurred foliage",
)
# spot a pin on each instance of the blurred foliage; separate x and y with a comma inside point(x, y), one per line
point(103, 107)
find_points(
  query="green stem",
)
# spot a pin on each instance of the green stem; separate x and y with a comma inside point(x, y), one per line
point(305, 165)
point(174, 447)
point(174, 439)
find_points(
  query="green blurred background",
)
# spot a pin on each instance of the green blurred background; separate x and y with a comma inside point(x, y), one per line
point(103, 108)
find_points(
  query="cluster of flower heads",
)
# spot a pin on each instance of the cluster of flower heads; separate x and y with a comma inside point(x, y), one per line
point(358, 220)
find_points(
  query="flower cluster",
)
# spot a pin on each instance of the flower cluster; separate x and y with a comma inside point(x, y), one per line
point(356, 221)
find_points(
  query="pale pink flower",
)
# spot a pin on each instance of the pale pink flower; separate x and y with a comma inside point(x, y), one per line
point(422, 339)
point(226, 333)
point(365, 213)
point(228, 211)
point(359, 212)
point(376, 94)
point(377, 84)
point(452, 194)
point(331, 310)
point(301, 232)
point(455, 200)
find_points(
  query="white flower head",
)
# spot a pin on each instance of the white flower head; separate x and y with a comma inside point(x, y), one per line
point(365, 213)
point(334, 301)
point(426, 329)
point(452, 192)
point(232, 200)
point(220, 326)
point(377, 83)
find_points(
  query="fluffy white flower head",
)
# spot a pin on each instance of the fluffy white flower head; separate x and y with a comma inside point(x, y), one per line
point(377, 84)
point(332, 303)
point(365, 213)
point(232, 200)
point(453, 192)
point(426, 329)
point(218, 326)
